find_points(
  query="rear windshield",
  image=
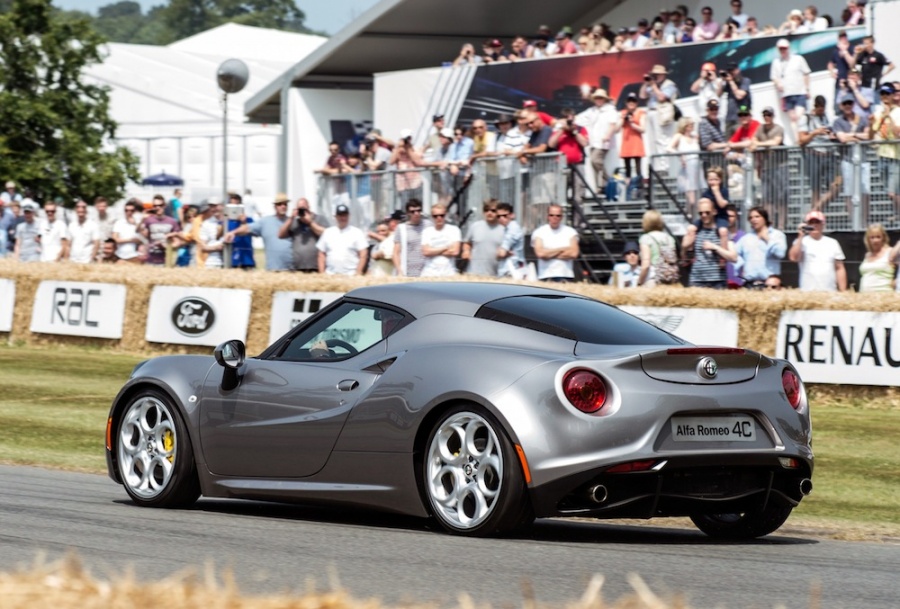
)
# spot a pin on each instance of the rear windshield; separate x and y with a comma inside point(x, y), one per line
point(575, 318)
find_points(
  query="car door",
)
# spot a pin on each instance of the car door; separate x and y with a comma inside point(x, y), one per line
point(284, 417)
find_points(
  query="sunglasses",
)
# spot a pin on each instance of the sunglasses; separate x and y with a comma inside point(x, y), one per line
point(415, 211)
point(438, 215)
point(502, 215)
point(493, 210)
point(554, 215)
point(705, 213)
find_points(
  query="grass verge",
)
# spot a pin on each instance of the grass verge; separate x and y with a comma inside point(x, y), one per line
point(54, 405)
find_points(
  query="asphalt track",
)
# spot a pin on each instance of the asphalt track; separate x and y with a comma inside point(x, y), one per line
point(275, 548)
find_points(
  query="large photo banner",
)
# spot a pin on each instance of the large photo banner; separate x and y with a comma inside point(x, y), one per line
point(842, 347)
point(76, 308)
point(289, 309)
point(502, 87)
point(7, 304)
point(698, 326)
point(197, 316)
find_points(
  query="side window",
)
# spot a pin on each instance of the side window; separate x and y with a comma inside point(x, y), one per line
point(342, 333)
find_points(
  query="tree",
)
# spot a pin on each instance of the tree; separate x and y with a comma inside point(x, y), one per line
point(57, 135)
point(188, 17)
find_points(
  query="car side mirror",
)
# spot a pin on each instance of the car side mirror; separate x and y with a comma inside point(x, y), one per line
point(230, 355)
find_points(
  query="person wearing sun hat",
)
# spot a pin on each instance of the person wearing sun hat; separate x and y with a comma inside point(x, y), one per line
point(820, 258)
point(658, 89)
point(600, 120)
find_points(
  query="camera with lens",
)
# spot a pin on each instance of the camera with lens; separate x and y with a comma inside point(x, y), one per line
point(629, 115)
point(806, 228)
point(723, 74)
point(647, 78)
point(301, 212)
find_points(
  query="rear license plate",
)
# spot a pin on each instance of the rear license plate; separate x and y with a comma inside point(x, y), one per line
point(736, 428)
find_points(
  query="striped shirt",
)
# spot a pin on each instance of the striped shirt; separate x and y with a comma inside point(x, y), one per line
point(706, 267)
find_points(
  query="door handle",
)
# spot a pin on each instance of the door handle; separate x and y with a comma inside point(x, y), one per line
point(348, 385)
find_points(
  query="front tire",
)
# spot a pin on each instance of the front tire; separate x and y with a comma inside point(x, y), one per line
point(746, 525)
point(155, 457)
point(472, 479)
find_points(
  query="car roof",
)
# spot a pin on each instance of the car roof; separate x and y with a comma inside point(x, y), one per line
point(454, 297)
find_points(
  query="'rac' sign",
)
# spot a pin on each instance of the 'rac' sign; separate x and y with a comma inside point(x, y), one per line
point(79, 309)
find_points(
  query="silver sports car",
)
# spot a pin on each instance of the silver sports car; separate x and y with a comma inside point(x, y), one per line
point(480, 405)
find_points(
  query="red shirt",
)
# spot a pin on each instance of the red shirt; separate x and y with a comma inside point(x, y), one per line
point(569, 146)
point(745, 132)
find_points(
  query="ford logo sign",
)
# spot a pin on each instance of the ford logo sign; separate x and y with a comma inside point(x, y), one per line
point(708, 368)
point(193, 316)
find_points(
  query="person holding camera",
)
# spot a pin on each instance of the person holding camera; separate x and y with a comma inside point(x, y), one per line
point(660, 93)
point(820, 258)
point(817, 138)
point(707, 86)
point(736, 89)
point(571, 140)
point(467, 56)
point(303, 228)
point(631, 124)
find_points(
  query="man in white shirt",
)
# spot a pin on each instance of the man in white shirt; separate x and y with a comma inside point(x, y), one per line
point(821, 258)
point(790, 74)
point(600, 122)
point(84, 236)
point(343, 249)
point(556, 247)
point(441, 245)
point(54, 235)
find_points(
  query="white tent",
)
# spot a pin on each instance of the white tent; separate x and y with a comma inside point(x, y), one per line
point(169, 107)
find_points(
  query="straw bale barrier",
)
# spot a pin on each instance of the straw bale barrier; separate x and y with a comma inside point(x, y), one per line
point(66, 584)
point(758, 312)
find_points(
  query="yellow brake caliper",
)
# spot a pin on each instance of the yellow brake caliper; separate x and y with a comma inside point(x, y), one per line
point(169, 444)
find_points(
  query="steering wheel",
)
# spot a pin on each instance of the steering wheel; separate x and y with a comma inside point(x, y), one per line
point(336, 342)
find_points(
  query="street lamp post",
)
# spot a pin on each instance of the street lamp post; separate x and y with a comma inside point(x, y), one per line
point(232, 76)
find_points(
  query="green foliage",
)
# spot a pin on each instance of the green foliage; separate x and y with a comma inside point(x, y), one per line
point(123, 21)
point(56, 126)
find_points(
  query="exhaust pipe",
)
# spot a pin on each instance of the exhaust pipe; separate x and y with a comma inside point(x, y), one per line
point(806, 486)
point(598, 493)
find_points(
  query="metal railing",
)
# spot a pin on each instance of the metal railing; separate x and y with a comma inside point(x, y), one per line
point(373, 195)
point(853, 184)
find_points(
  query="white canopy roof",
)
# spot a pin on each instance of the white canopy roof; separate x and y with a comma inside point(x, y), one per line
point(171, 91)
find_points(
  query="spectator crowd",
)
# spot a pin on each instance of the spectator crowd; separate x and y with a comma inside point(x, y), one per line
point(412, 243)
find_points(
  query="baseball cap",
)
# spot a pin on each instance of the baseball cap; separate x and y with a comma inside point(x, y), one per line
point(397, 215)
point(847, 97)
point(887, 89)
point(494, 43)
point(341, 209)
point(631, 246)
point(437, 117)
point(405, 133)
point(599, 93)
point(783, 43)
point(529, 103)
point(561, 34)
point(769, 110)
point(504, 118)
point(708, 66)
point(713, 103)
point(815, 216)
point(204, 206)
point(447, 132)
point(743, 111)
point(632, 97)
point(29, 205)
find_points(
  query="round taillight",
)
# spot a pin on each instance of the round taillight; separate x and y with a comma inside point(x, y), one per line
point(585, 390)
point(791, 383)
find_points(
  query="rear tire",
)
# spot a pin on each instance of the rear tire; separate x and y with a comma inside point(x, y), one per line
point(154, 453)
point(746, 525)
point(472, 479)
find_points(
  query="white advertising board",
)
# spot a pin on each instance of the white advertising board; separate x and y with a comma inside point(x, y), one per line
point(291, 308)
point(842, 347)
point(698, 326)
point(7, 304)
point(77, 308)
point(197, 316)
